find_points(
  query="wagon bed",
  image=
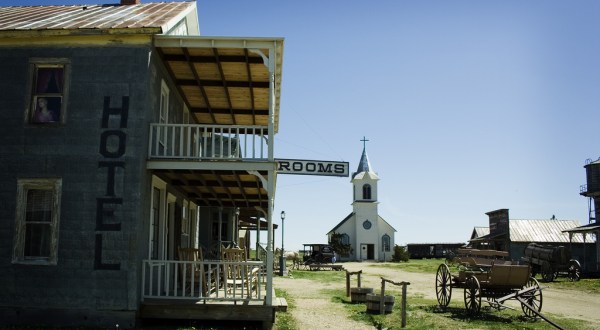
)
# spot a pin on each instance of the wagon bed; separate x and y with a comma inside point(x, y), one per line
point(488, 275)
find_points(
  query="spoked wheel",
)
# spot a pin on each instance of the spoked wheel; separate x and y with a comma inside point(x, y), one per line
point(574, 270)
point(443, 286)
point(532, 298)
point(472, 295)
point(547, 272)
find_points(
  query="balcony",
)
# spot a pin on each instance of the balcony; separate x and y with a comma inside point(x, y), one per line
point(208, 142)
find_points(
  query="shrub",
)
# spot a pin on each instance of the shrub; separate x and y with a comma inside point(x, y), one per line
point(400, 254)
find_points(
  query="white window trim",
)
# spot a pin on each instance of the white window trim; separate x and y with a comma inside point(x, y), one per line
point(23, 185)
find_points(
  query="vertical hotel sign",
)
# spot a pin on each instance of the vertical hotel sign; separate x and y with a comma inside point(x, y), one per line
point(313, 167)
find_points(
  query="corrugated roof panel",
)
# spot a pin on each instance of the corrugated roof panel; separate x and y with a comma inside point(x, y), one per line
point(543, 231)
point(154, 14)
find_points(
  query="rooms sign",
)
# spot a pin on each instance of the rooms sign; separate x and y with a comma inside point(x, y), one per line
point(313, 167)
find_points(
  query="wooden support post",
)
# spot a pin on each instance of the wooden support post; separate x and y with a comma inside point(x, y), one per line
point(403, 310)
point(348, 274)
point(403, 303)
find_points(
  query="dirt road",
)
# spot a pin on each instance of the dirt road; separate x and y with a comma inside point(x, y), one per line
point(311, 304)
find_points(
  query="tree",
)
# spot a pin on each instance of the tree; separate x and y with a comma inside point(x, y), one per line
point(338, 246)
point(400, 254)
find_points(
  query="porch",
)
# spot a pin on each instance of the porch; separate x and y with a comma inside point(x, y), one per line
point(204, 290)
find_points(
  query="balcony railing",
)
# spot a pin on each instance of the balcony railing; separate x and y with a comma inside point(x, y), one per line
point(583, 189)
point(203, 280)
point(208, 142)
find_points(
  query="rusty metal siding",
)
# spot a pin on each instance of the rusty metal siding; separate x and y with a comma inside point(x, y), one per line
point(90, 17)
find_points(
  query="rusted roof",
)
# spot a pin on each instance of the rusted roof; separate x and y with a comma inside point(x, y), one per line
point(93, 17)
point(548, 231)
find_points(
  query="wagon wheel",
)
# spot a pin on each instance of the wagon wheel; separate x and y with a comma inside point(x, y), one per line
point(472, 295)
point(574, 270)
point(443, 286)
point(547, 272)
point(532, 298)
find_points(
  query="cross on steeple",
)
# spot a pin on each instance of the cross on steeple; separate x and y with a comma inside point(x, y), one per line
point(364, 141)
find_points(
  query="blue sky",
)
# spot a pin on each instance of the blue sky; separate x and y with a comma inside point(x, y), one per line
point(469, 106)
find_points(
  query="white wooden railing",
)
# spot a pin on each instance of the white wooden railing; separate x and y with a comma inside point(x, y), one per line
point(210, 142)
point(170, 279)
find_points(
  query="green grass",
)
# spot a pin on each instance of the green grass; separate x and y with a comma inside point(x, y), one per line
point(284, 320)
point(426, 314)
point(415, 265)
point(322, 276)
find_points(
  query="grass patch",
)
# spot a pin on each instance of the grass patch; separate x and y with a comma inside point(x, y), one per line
point(589, 285)
point(322, 276)
point(426, 314)
point(284, 320)
point(414, 265)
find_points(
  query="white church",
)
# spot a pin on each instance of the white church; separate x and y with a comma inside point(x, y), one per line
point(370, 236)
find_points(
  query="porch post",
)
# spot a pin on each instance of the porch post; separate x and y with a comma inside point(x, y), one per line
point(271, 173)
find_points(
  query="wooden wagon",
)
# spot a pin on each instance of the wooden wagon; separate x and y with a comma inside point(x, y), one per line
point(551, 262)
point(486, 274)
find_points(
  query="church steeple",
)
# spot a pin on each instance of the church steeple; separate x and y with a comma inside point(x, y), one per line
point(364, 165)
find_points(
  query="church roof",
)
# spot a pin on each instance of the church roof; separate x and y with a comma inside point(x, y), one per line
point(349, 216)
point(364, 165)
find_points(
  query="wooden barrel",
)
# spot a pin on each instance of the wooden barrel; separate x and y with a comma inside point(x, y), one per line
point(359, 295)
point(373, 303)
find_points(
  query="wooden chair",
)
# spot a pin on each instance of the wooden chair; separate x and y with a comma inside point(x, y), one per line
point(238, 276)
point(193, 274)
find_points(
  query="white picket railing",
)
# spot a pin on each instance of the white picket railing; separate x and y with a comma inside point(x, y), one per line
point(171, 279)
point(216, 142)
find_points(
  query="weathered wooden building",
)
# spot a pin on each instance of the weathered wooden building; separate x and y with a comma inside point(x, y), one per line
point(432, 250)
point(590, 231)
point(127, 136)
point(513, 235)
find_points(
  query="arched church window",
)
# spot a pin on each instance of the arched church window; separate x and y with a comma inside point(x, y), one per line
point(367, 191)
point(385, 243)
point(345, 239)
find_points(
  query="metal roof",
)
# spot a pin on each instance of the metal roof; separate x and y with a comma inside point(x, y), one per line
point(480, 232)
point(548, 231)
point(94, 17)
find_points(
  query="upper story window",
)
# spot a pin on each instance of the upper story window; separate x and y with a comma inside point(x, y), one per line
point(366, 191)
point(48, 91)
point(38, 214)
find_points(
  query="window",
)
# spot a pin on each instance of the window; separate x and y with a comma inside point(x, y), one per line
point(163, 113)
point(38, 214)
point(345, 239)
point(367, 191)
point(385, 243)
point(367, 224)
point(155, 225)
point(49, 91)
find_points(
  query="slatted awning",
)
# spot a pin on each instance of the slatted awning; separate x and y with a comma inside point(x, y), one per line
point(224, 81)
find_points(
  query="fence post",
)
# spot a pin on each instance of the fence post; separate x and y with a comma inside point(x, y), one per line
point(403, 311)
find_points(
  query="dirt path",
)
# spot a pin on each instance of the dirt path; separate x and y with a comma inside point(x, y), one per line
point(316, 311)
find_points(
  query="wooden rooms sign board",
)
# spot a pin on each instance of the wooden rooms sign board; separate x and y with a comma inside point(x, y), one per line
point(313, 167)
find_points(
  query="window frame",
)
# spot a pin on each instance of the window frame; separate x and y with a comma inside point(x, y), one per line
point(366, 191)
point(163, 113)
point(23, 186)
point(34, 65)
point(386, 242)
